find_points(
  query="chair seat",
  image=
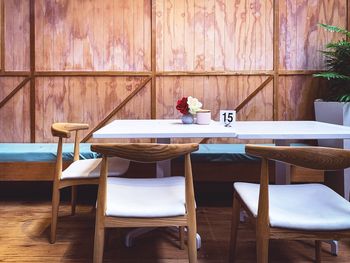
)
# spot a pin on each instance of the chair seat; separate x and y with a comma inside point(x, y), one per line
point(90, 168)
point(300, 207)
point(154, 197)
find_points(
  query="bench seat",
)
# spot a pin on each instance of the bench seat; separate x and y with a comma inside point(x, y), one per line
point(212, 162)
point(41, 152)
point(233, 153)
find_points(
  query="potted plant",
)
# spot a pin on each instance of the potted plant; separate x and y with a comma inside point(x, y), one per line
point(334, 107)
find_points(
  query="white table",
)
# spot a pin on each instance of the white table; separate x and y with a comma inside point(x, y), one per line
point(163, 131)
point(279, 131)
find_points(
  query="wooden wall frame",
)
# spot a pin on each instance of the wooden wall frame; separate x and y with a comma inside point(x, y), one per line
point(149, 76)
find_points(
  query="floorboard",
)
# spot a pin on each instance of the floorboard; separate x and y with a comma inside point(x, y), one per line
point(25, 229)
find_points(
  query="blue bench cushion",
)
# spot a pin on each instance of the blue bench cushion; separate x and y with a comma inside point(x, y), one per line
point(226, 153)
point(47, 152)
point(41, 152)
point(222, 153)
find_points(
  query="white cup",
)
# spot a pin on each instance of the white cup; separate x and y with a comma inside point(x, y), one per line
point(203, 117)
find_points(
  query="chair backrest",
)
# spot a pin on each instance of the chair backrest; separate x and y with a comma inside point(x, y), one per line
point(63, 130)
point(320, 158)
point(145, 152)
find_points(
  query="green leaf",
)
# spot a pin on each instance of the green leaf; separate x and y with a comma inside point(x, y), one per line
point(335, 29)
point(331, 75)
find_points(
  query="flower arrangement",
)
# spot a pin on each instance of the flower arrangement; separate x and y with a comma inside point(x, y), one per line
point(188, 105)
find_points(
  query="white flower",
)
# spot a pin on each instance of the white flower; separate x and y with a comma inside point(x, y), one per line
point(193, 104)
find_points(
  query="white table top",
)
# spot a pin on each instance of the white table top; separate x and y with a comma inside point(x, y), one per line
point(289, 130)
point(162, 129)
point(283, 130)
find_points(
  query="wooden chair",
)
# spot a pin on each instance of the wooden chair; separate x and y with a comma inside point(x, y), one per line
point(124, 202)
point(80, 172)
point(296, 212)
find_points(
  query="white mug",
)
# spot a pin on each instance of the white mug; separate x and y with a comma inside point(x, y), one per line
point(203, 117)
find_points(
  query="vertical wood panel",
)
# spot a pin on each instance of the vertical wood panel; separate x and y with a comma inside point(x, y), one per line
point(209, 37)
point(219, 34)
point(128, 35)
point(179, 35)
point(93, 35)
point(16, 35)
point(199, 35)
point(247, 46)
point(301, 37)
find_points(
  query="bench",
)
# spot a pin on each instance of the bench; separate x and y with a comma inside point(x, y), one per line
point(212, 162)
point(35, 161)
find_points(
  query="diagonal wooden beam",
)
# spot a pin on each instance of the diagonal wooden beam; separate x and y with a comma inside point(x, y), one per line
point(13, 93)
point(113, 112)
point(252, 95)
point(246, 100)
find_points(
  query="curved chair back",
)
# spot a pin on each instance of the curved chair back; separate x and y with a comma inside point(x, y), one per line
point(63, 130)
point(320, 158)
point(145, 152)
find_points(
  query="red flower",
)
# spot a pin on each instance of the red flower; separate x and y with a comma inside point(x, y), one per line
point(182, 105)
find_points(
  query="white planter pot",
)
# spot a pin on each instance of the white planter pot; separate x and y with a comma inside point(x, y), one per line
point(335, 113)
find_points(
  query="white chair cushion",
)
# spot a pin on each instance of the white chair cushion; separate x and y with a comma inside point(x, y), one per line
point(303, 206)
point(90, 168)
point(154, 197)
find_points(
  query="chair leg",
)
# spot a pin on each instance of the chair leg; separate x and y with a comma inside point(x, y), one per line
point(318, 251)
point(234, 228)
point(55, 206)
point(262, 249)
point(182, 237)
point(99, 243)
point(74, 199)
point(191, 242)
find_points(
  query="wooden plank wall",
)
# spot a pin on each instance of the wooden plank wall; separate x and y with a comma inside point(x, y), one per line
point(93, 61)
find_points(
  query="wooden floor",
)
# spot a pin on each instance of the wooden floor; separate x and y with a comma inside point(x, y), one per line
point(25, 228)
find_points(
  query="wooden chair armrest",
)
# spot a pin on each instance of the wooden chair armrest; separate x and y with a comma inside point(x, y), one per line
point(144, 152)
point(319, 158)
point(61, 129)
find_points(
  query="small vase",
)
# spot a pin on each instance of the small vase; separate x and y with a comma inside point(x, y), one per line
point(187, 118)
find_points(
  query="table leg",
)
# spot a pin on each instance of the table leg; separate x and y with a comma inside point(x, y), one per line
point(339, 181)
point(163, 167)
point(334, 246)
point(130, 236)
point(282, 170)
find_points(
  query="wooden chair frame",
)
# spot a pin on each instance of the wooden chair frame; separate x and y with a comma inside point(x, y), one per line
point(146, 152)
point(320, 158)
point(63, 130)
